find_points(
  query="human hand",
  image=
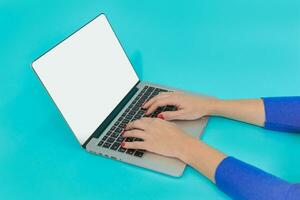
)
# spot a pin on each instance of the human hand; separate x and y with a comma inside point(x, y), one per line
point(189, 107)
point(159, 136)
point(165, 138)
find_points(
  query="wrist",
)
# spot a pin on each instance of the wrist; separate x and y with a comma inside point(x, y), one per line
point(186, 150)
point(214, 106)
point(202, 157)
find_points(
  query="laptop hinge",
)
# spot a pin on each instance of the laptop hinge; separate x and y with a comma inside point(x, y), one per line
point(112, 115)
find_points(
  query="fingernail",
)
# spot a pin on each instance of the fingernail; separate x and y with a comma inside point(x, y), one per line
point(160, 116)
point(122, 133)
point(122, 144)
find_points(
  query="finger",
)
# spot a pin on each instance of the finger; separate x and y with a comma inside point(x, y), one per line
point(137, 124)
point(172, 115)
point(133, 145)
point(135, 133)
point(157, 97)
point(160, 103)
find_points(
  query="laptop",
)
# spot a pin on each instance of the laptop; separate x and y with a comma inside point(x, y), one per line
point(93, 84)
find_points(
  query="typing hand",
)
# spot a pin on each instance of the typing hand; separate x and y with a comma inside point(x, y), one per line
point(159, 136)
point(189, 107)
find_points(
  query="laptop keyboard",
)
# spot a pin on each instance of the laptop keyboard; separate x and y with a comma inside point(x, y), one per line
point(113, 138)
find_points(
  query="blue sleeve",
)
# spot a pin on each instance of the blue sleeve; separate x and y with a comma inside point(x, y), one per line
point(242, 181)
point(282, 113)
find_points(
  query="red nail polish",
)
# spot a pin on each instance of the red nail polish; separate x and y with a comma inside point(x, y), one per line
point(160, 116)
point(122, 133)
point(122, 144)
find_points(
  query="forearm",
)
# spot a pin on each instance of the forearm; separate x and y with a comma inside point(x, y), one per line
point(248, 110)
point(201, 157)
point(237, 179)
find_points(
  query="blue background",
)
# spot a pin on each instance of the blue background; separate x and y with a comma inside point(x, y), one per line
point(230, 49)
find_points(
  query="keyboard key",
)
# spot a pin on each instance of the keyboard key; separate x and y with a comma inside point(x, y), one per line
point(111, 140)
point(122, 150)
point(108, 133)
point(118, 130)
point(138, 153)
point(151, 88)
point(145, 87)
point(100, 143)
point(162, 90)
point(114, 135)
point(155, 113)
point(104, 138)
point(130, 151)
point(117, 123)
point(152, 95)
point(122, 125)
point(141, 112)
point(132, 112)
point(144, 98)
point(157, 90)
point(139, 104)
point(106, 145)
point(115, 146)
point(120, 139)
point(129, 139)
point(159, 109)
point(168, 108)
point(136, 117)
point(135, 109)
point(128, 116)
point(147, 94)
point(174, 108)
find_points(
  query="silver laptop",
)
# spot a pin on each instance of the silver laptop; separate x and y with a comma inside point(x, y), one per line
point(95, 87)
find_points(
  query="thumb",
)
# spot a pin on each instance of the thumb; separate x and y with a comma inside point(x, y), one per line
point(172, 115)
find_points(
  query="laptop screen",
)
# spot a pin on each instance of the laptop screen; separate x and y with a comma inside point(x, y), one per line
point(87, 75)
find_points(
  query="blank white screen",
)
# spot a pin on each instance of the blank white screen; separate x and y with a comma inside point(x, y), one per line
point(87, 75)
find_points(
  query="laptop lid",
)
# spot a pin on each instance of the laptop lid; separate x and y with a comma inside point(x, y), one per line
point(87, 75)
